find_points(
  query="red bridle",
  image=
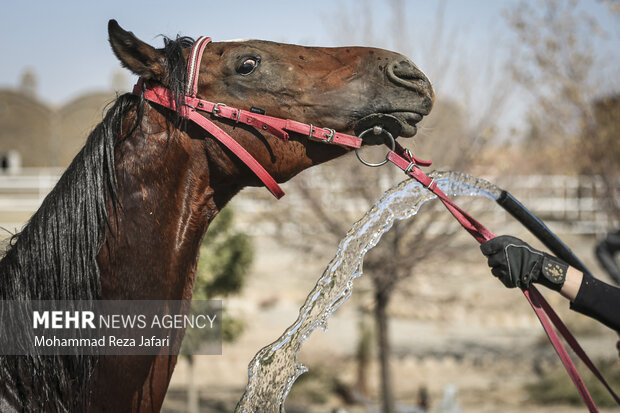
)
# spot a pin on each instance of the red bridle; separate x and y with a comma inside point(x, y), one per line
point(402, 158)
point(193, 106)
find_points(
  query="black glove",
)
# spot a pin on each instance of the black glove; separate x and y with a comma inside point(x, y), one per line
point(517, 264)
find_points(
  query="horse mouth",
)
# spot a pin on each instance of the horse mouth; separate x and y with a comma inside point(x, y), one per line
point(402, 124)
point(408, 122)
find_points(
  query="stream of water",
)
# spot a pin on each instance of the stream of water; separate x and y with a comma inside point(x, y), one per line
point(275, 368)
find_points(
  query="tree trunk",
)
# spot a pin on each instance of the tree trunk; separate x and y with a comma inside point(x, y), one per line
point(387, 398)
point(363, 356)
point(192, 391)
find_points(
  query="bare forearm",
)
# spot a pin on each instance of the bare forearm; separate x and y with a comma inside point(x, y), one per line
point(572, 283)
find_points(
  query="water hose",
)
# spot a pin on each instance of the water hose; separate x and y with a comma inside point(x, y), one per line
point(540, 230)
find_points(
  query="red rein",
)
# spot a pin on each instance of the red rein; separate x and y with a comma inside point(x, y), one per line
point(399, 156)
point(547, 316)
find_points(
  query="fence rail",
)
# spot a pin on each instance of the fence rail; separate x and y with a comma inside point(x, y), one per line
point(569, 204)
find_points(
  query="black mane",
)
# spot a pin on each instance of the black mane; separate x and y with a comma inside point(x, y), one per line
point(54, 256)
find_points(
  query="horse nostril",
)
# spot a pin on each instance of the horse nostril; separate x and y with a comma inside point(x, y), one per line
point(406, 74)
point(406, 70)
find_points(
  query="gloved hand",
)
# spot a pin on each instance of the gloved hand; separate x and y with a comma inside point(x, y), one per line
point(517, 264)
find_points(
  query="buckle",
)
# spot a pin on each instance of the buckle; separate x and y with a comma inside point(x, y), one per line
point(217, 110)
point(410, 167)
point(330, 135)
point(409, 155)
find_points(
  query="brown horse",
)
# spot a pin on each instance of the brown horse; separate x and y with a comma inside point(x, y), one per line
point(127, 217)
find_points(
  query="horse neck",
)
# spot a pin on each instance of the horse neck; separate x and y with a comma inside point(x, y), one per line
point(166, 204)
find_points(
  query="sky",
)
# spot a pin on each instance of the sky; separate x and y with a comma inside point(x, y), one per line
point(65, 43)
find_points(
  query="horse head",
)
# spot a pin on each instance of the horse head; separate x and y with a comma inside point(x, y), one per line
point(347, 89)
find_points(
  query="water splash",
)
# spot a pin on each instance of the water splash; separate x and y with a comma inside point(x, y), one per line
point(275, 368)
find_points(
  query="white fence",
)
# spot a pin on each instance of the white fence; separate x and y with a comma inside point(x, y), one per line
point(21, 194)
point(569, 204)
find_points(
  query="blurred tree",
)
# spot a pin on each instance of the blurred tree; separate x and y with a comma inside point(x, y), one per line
point(573, 122)
point(600, 151)
point(326, 200)
point(225, 258)
point(363, 354)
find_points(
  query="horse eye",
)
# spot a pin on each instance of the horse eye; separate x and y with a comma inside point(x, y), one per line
point(248, 65)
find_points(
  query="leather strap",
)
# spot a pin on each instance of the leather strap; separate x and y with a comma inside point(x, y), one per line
point(193, 65)
point(475, 228)
point(163, 96)
point(405, 161)
point(278, 127)
point(537, 300)
point(240, 151)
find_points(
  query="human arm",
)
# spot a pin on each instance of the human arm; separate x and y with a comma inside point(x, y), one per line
point(516, 264)
point(572, 283)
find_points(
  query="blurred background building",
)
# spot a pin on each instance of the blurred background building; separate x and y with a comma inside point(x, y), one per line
point(34, 134)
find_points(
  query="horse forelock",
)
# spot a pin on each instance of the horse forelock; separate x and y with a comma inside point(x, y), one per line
point(176, 68)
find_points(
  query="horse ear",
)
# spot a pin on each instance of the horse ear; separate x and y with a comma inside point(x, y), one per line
point(137, 56)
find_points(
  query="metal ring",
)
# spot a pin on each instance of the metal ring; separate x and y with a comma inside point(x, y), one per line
point(217, 110)
point(374, 165)
point(311, 131)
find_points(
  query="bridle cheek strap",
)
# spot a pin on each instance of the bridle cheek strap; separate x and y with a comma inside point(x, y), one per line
point(240, 151)
point(192, 105)
point(163, 96)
